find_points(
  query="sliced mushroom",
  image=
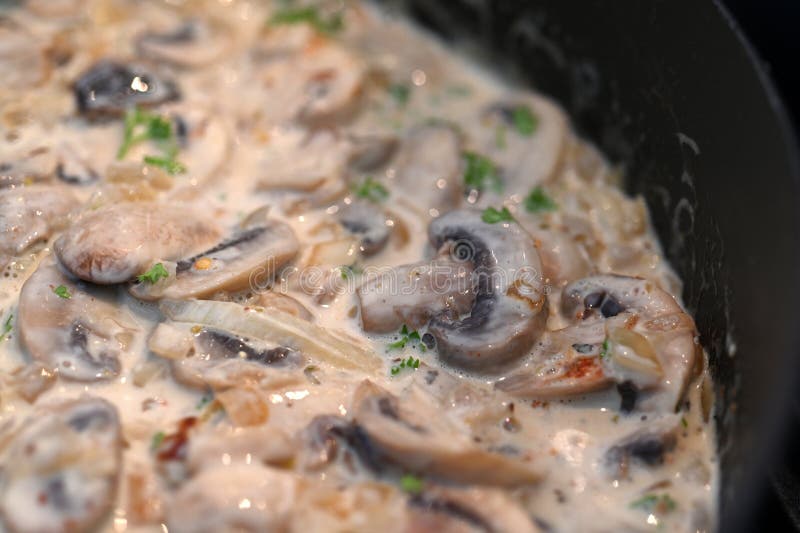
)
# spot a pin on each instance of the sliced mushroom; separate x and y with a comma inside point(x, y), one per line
point(285, 303)
point(211, 357)
point(195, 43)
point(371, 151)
point(261, 246)
point(368, 222)
point(80, 336)
point(321, 344)
point(298, 160)
point(403, 431)
point(646, 447)
point(651, 340)
point(446, 510)
point(510, 308)
point(563, 258)
point(413, 294)
point(429, 168)
point(60, 471)
point(528, 159)
point(31, 214)
point(118, 242)
point(320, 85)
point(109, 88)
point(565, 362)
point(238, 497)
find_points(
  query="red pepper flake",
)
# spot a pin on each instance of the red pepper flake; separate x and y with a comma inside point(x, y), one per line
point(583, 367)
point(173, 447)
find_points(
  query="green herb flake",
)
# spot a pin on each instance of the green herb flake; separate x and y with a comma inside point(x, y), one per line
point(524, 120)
point(155, 273)
point(491, 215)
point(401, 93)
point(659, 503)
point(7, 327)
point(411, 484)
point(62, 292)
point(372, 190)
point(308, 15)
point(538, 201)
point(480, 172)
point(405, 363)
point(169, 164)
point(204, 401)
point(684, 422)
point(158, 438)
point(606, 349)
point(407, 336)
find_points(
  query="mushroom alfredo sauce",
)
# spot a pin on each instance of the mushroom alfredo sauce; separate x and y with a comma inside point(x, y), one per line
point(297, 267)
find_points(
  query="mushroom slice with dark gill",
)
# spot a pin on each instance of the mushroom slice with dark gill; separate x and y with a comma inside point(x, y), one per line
point(429, 168)
point(204, 356)
point(527, 137)
point(473, 510)
point(510, 308)
point(61, 468)
point(406, 434)
point(31, 214)
point(109, 87)
point(368, 223)
point(277, 327)
point(195, 43)
point(650, 340)
point(118, 242)
point(76, 334)
point(259, 246)
point(625, 331)
point(645, 447)
point(412, 294)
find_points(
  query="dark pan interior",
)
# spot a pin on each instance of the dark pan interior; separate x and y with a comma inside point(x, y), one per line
point(670, 90)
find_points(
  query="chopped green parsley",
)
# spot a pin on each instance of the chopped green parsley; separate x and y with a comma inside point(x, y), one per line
point(308, 15)
point(372, 190)
point(606, 350)
point(204, 401)
point(62, 292)
point(491, 215)
point(158, 438)
point(538, 201)
point(660, 503)
point(480, 172)
point(155, 273)
point(524, 120)
point(411, 484)
point(7, 327)
point(401, 93)
point(407, 336)
point(405, 363)
point(143, 126)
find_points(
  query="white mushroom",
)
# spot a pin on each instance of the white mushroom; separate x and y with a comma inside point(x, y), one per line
point(61, 469)
point(238, 497)
point(528, 157)
point(413, 294)
point(31, 214)
point(429, 168)
point(118, 242)
point(405, 433)
point(510, 307)
point(368, 222)
point(76, 334)
point(260, 246)
point(626, 330)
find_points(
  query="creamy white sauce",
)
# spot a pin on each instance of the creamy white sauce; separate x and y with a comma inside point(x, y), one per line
point(566, 439)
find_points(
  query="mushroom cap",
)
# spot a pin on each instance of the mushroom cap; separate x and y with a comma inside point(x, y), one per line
point(510, 308)
point(81, 337)
point(259, 248)
point(110, 87)
point(61, 469)
point(118, 242)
